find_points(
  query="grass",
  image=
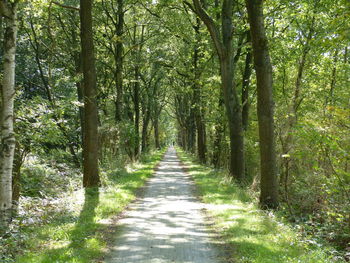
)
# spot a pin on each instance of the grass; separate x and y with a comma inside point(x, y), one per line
point(253, 235)
point(81, 232)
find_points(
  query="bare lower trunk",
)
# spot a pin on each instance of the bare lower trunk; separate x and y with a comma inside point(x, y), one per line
point(144, 138)
point(90, 149)
point(201, 139)
point(234, 115)
point(219, 130)
point(7, 147)
point(263, 68)
point(156, 132)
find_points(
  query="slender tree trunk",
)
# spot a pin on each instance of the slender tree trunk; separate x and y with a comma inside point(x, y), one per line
point(80, 93)
point(156, 132)
point(119, 62)
point(198, 111)
point(7, 136)
point(263, 68)
point(144, 134)
point(51, 98)
point(292, 120)
point(330, 97)
point(219, 130)
point(90, 149)
point(201, 139)
point(191, 131)
point(16, 178)
point(137, 112)
point(137, 92)
point(245, 86)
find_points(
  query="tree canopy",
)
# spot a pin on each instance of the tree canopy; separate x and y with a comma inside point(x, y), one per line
point(257, 88)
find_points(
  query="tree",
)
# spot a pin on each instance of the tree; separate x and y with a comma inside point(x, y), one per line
point(224, 48)
point(263, 68)
point(8, 10)
point(90, 148)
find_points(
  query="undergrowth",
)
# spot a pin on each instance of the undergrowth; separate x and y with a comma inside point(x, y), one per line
point(74, 227)
point(253, 235)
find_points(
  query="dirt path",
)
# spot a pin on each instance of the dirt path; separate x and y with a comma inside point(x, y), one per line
point(166, 225)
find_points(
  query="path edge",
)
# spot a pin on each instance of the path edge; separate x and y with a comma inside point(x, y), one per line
point(227, 251)
point(111, 231)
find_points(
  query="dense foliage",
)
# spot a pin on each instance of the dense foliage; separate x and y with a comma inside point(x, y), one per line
point(158, 82)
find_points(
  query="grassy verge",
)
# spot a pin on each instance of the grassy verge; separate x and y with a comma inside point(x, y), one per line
point(80, 232)
point(254, 235)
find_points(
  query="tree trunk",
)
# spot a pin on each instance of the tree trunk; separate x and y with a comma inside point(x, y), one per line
point(7, 148)
point(234, 115)
point(223, 45)
point(144, 138)
point(156, 132)
point(198, 111)
point(137, 112)
point(90, 149)
point(119, 62)
point(219, 130)
point(245, 86)
point(137, 91)
point(263, 68)
point(191, 131)
point(16, 178)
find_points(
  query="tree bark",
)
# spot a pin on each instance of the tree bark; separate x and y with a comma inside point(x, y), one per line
point(263, 68)
point(7, 147)
point(90, 148)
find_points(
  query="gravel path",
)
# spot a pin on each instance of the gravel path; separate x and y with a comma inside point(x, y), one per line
point(166, 225)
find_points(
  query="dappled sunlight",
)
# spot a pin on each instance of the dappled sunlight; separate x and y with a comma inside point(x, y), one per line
point(78, 233)
point(256, 236)
point(166, 225)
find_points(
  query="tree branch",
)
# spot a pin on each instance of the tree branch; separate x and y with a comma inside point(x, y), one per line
point(212, 28)
point(66, 6)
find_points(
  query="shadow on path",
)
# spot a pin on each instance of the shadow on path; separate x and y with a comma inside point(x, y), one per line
point(166, 225)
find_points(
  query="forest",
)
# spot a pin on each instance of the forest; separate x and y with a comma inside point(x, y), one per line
point(94, 92)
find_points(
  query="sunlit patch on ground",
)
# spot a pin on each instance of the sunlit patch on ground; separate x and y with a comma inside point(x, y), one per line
point(254, 236)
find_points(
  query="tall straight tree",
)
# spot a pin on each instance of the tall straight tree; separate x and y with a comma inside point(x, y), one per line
point(119, 61)
point(7, 137)
point(263, 68)
point(198, 108)
point(224, 47)
point(90, 147)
